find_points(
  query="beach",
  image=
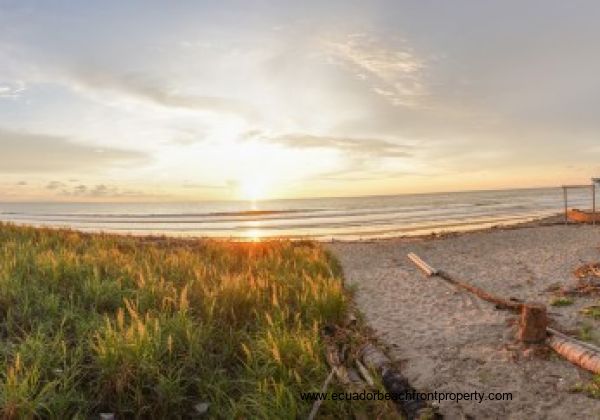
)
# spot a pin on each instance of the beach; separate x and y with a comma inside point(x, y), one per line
point(448, 340)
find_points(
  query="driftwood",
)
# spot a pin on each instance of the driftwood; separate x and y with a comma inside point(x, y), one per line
point(317, 404)
point(395, 383)
point(430, 271)
point(533, 318)
point(590, 346)
point(348, 377)
point(365, 373)
point(533, 323)
point(378, 362)
point(500, 303)
point(426, 268)
point(575, 353)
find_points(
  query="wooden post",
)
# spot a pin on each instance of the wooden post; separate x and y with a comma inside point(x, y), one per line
point(593, 202)
point(533, 323)
point(566, 208)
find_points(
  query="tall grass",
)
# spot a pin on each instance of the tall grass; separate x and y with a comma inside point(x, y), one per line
point(152, 327)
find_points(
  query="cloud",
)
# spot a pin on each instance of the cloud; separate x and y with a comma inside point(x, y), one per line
point(39, 153)
point(98, 191)
point(355, 147)
point(191, 185)
point(363, 158)
point(157, 91)
point(55, 185)
point(11, 90)
point(393, 73)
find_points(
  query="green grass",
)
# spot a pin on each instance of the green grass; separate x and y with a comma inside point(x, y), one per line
point(592, 311)
point(152, 327)
point(586, 333)
point(561, 301)
point(591, 388)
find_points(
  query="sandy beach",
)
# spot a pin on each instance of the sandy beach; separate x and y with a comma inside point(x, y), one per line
point(448, 340)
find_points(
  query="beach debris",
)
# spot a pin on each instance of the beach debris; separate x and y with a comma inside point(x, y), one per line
point(315, 408)
point(588, 280)
point(351, 320)
point(202, 408)
point(352, 345)
point(395, 383)
point(107, 416)
point(426, 268)
point(501, 303)
point(588, 270)
point(533, 323)
point(346, 376)
point(365, 373)
point(575, 351)
point(557, 333)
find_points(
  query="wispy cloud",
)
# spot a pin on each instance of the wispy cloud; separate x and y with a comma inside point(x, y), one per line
point(97, 191)
point(197, 186)
point(37, 153)
point(362, 158)
point(159, 92)
point(55, 185)
point(393, 73)
point(12, 90)
point(356, 147)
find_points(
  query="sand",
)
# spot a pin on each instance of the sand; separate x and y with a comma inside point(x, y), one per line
point(448, 340)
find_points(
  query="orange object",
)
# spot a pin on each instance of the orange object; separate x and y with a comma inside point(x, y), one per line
point(581, 216)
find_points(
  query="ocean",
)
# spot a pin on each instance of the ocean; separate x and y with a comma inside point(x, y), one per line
point(317, 218)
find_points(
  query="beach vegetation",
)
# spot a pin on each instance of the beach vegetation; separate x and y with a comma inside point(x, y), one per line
point(158, 327)
point(592, 311)
point(590, 388)
point(561, 301)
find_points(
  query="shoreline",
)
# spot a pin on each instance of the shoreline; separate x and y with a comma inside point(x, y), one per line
point(442, 233)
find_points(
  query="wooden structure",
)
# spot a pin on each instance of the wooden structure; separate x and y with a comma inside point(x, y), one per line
point(533, 323)
point(581, 216)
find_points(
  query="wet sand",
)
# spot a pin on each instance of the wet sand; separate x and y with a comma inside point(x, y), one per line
point(448, 340)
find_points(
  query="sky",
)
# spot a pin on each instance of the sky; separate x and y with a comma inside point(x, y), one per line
point(218, 100)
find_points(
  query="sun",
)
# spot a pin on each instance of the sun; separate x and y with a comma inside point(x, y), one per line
point(253, 188)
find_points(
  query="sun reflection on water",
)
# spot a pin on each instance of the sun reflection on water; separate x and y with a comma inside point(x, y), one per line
point(255, 235)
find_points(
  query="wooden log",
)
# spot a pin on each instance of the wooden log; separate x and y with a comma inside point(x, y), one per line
point(374, 358)
point(347, 377)
point(365, 373)
point(500, 303)
point(533, 323)
point(569, 338)
point(426, 268)
point(431, 271)
point(395, 383)
point(575, 353)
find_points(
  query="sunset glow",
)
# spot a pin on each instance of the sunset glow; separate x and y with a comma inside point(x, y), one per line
point(212, 101)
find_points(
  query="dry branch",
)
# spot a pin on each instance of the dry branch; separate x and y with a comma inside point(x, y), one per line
point(317, 403)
